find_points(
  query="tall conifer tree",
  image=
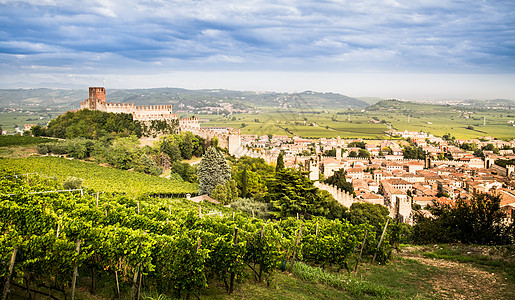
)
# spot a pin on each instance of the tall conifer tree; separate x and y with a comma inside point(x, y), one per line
point(212, 171)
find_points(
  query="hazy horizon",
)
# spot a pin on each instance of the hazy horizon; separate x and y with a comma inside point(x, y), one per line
point(412, 50)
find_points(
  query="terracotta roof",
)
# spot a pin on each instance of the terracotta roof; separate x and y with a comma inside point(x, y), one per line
point(201, 198)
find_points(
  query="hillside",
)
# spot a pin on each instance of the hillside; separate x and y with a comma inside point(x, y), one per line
point(178, 96)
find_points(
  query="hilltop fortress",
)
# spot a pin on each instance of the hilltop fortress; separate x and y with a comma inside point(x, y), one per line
point(227, 137)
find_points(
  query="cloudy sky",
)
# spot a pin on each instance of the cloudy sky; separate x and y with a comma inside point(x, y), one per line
point(407, 49)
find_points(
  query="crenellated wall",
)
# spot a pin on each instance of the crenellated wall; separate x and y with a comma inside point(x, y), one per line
point(339, 195)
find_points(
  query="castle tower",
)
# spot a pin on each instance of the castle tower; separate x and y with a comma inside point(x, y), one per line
point(97, 93)
point(338, 152)
point(489, 162)
point(313, 170)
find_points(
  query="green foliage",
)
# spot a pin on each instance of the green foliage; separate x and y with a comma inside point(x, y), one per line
point(184, 145)
point(477, 221)
point(212, 171)
point(225, 193)
point(361, 145)
point(18, 140)
point(72, 183)
point(280, 162)
point(469, 146)
point(291, 192)
point(92, 124)
point(104, 179)
point(410, 152)
point(373, 214)
point(331, 152)
point(260, 209)
point(504, 162)
point(338, 179)
point(167, 241)
point(147, 165)
point(251, 175)
point(170, 148)
point(186, 171)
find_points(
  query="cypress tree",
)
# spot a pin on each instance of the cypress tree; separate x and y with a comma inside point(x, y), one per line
point(212, 171)
point(280, 162)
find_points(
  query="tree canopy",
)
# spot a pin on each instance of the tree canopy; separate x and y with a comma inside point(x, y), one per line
point(478, 221)
point(291, 192)
point(338, 179)
point(212, 171)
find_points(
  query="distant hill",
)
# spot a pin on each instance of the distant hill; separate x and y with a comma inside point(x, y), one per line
point(72, 98)
point(19, 98)
point(406, 106)
point(424, 107)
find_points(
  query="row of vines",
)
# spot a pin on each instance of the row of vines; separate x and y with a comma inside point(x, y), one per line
point(171, 246)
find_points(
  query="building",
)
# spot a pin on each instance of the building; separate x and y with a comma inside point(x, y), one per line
point(144, 113)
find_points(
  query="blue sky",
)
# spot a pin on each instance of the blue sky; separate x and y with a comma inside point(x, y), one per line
point(401, 49)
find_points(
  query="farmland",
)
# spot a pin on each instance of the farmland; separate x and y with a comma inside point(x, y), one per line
point(105, 179)
point(372, 124)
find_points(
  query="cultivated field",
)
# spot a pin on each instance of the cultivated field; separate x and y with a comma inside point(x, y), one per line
point(371, 124)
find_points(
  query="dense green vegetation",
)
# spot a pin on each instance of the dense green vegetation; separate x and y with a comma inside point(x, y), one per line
point(17, 140)
point(478, 221)
point(105, 179)
point(92, 124)
point(177, 247)
point(125, 152)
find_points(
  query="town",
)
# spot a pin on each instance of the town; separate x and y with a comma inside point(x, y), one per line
point(380, 173)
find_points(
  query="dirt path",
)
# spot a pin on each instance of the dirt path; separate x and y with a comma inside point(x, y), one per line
point(463, 280)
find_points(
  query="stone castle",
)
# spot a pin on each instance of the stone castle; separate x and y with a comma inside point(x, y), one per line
point(227, 137)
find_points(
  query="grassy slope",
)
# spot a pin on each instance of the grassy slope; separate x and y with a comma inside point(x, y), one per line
point(96, 177)
point(418, 272)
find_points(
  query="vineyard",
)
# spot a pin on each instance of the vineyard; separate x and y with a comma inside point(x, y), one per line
point(106, 179)
point(174, 247)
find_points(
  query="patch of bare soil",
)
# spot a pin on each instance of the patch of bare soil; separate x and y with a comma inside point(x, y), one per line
point(457, 280)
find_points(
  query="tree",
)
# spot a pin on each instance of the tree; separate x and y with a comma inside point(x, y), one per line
point(478, 221)
point(225, 193)
point(338, 179)
point(363, 153)
point(291, 192)
point(36, 130)
point(187, 146)
point(170, 148)
point(280, 162)
point(212, 171)
point(373, 214)
point(251, 175)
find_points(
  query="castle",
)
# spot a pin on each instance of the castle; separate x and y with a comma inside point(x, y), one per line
point(97, 101)
point(227, 137)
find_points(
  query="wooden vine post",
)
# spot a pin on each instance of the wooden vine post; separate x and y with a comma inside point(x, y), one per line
point(295, 249)
point(11, 267)
point(134, 282)
point(380, 240)
point(361, 251)
point(262, 258)
point(98, 194)
point(235, 242)
point(74, 279)
point(117, 284)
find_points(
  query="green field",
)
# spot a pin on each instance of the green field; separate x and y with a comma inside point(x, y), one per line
point(98, 178)
point(435, 119)
point(11, 119)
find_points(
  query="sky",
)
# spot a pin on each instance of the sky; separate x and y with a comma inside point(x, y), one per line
point(404, 49)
